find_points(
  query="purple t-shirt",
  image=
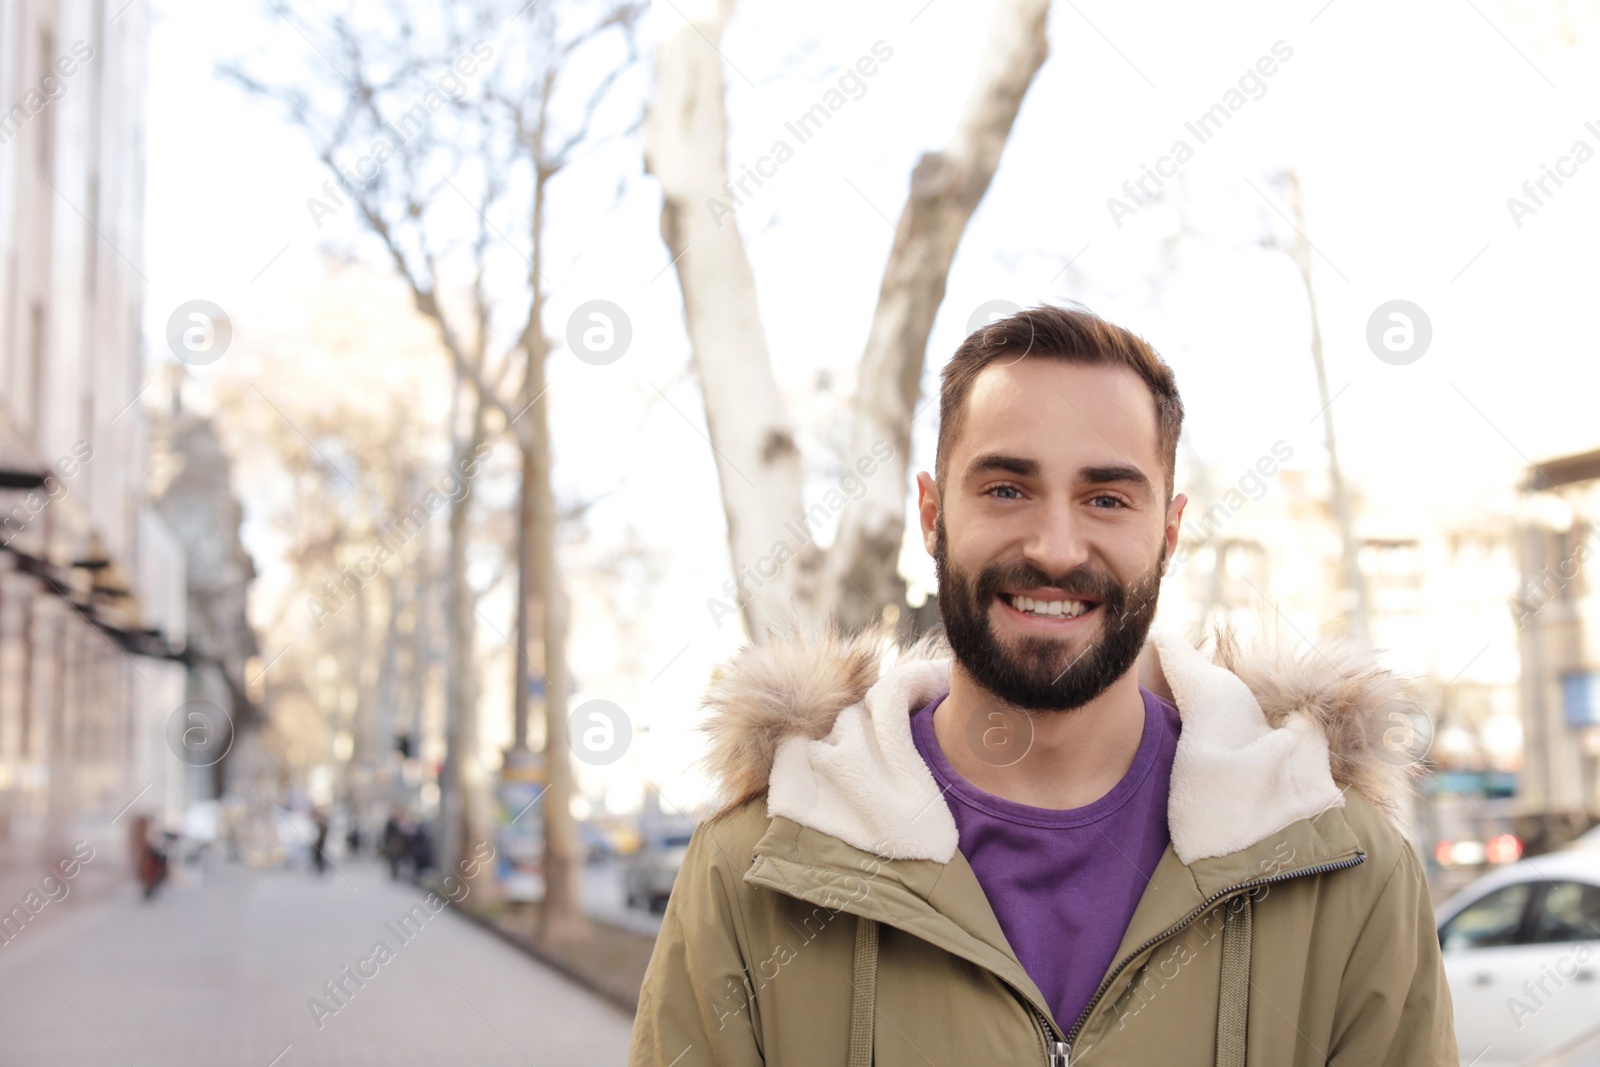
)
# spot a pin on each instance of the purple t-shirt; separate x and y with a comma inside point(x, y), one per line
point(1064, 884)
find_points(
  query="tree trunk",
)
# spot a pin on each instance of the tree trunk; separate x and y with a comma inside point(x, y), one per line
point(420, 644)
point(778, 570)
point(562, 917)
point(758, 463)
point(387, 686)
point(358, 653)
point(520, 673)
point(562, 914)
point(1355, 586)
point(946, 188)
point(465, 810)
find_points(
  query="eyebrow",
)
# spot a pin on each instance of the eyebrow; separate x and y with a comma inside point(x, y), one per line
point(1023, 467)
point(999, 461)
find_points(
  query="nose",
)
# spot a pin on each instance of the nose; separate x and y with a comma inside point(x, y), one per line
point(1056, 544)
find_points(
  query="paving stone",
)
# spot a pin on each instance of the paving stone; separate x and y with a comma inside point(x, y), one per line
point(219, 972)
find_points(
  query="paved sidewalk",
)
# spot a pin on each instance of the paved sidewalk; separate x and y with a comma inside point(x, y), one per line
point(219, 975)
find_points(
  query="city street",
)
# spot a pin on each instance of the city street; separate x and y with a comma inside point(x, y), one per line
point(605, 898)
point(532, 442)
point(220, 974)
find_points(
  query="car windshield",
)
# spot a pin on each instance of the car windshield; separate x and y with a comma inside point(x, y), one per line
point(1494, 920)
point(1570, 911)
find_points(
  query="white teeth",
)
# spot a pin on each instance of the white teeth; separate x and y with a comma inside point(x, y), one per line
point(1052, 609)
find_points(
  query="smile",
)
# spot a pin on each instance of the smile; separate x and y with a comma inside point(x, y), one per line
point(1056, 609)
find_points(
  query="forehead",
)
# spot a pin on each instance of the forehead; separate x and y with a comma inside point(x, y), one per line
point(1061, 413)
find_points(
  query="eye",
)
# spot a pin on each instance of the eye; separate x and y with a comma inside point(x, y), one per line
point(1117, 500)
point(1004, 488)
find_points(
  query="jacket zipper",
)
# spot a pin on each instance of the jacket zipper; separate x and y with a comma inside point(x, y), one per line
point(1055, 1052)
point(1059, 1053)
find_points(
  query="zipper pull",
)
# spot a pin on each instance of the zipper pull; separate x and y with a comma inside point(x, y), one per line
point(1060, 1054)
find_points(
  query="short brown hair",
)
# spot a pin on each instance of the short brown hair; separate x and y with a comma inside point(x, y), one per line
point(1072, 334)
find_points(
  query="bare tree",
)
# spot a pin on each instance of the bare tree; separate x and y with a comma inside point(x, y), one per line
point(472, 105)
point(758, 462)
point(1299, 250)
point(467, 805)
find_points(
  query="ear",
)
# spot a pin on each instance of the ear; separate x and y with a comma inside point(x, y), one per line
point(1174, 525)
point(928, 509)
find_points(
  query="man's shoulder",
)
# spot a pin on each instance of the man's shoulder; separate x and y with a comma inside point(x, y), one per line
point(728, 838)
point(1389, 853)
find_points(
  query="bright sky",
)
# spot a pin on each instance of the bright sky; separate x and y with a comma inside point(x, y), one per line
point(1410, 126)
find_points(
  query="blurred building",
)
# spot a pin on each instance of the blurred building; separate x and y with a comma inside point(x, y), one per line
point(92, 595)
point(1262, 551)
point(1436, 586)
point(1557, 611)
point(191, 484)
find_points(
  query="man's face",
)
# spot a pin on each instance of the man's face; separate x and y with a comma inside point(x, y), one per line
point(1050, 536)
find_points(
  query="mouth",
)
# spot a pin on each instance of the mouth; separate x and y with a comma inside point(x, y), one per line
point(1047, 607)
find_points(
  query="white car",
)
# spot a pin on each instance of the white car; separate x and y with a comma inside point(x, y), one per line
point(1522, 956)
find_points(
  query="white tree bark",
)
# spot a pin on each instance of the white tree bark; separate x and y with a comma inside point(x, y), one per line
point(469, 801)
point(946, 186)
point(757, 460)
point(758, 463)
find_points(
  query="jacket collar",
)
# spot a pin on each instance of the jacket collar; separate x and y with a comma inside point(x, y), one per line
point(943, 903)
point(1271, 736)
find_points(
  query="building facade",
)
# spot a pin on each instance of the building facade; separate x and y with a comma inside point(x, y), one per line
point(1263, 552)
point(92, 592)
point(1557, 610)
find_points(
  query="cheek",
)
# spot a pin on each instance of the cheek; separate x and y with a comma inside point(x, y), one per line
point(976, 538)
point(960, 552)
point(1140, 563)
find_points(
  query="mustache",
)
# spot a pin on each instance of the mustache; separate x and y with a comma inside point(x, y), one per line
point(1083, 582)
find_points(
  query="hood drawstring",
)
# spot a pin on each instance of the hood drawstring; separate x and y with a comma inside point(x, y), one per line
point(1233, 999)
point(863, 1003)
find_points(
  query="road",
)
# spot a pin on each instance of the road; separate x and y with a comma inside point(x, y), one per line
point(604, 897)
point(221, 972)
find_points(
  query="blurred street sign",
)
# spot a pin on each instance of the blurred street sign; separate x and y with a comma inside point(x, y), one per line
point(520, 829)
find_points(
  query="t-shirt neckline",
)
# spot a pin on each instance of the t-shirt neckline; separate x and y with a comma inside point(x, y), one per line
point(951, 781)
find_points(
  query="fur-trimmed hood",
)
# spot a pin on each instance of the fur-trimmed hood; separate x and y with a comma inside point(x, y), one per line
point(821, 723)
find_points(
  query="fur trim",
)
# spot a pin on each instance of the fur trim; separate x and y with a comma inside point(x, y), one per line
point(1301, 724)
point(794, 685)
point(1236, 779)
point(1366, 712)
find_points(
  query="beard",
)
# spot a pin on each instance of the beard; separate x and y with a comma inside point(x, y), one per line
point(1045, 673)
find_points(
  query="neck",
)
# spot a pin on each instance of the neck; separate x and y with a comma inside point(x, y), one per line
point(1067, 758)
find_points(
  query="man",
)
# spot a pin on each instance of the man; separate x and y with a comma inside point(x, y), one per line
point(1009, 850)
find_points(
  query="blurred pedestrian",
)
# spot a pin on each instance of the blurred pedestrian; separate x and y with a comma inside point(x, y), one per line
point(319, 855)
point(149, 859)
point(421, 852)
point(396, 843)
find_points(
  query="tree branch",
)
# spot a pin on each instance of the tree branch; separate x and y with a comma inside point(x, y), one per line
point(946, 188)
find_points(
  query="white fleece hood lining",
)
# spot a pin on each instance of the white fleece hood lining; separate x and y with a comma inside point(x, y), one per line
point(1235, 779)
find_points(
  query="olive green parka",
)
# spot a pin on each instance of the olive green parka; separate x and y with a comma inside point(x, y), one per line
point(825, 914)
